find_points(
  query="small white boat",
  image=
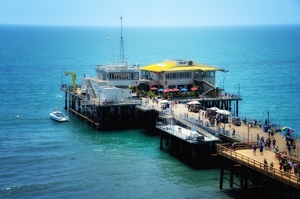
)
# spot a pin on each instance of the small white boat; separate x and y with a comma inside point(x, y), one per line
point(59, 116)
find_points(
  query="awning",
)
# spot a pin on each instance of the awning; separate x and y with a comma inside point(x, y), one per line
point(194, 89)
point(173, 65)
point(159, 67)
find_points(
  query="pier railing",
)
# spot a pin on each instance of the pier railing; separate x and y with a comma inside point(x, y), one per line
point(215, 130)
point(190, 124)
point(176, 133)
point(285, 177)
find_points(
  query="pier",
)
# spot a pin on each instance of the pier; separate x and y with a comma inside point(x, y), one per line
point(246, 169)
point(188, 145)
point(176, 128)
point(108, 116)
point(238, 165)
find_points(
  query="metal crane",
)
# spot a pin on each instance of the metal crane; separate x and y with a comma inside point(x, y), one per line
point(73, 80)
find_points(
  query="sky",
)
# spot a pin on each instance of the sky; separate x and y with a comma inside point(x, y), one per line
point(150, 12)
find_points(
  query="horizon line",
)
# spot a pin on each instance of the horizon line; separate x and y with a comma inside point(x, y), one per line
point(153, 26)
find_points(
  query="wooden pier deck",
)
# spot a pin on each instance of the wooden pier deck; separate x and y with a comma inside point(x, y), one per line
point(242, 133)
point(242, 158)
point(243, 154)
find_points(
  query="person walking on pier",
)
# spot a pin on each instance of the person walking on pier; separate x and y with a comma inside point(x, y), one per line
point(261, 149)
point(269, 143)
point(265, 164)
point(274, 142)
point(295, 168)
point(272, 133)
point(276, 150)
point(271, 166)
point(254, 149)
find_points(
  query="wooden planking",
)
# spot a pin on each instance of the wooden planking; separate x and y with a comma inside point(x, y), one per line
point(242, 156)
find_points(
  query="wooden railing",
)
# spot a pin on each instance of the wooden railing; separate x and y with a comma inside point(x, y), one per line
point(285, 177)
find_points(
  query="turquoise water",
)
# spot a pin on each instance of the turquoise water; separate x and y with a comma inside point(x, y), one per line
point(41, 158)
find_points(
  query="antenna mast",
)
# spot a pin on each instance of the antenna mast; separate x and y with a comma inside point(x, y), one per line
point(121, 47)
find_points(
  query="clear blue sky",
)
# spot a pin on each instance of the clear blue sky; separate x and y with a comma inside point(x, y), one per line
point(150, 12)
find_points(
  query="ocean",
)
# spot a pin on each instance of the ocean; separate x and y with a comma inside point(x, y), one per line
point(41, 158)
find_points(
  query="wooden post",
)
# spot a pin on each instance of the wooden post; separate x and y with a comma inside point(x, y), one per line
point(245, 172)
point(167, 140)
point(66, 100)
point(231, 179)
point(180, 143)
point(161, 142)
point(222, 173)
point(248, 133)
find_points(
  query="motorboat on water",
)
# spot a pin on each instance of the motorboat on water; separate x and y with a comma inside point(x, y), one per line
point(59, 116)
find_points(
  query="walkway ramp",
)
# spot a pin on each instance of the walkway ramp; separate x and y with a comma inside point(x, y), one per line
point(91, 89)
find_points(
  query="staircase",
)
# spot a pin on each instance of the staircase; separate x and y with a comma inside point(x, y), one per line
point(210, 85)
point(204, 93)
point(91, 89)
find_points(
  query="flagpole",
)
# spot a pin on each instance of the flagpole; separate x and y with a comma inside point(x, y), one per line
point(122, 48)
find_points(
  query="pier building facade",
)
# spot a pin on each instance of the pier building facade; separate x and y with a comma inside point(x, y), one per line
point(179, 74)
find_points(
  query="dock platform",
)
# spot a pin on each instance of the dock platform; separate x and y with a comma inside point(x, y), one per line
point(251, 167)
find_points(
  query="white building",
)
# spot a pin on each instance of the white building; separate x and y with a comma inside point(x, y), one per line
point(179, 74)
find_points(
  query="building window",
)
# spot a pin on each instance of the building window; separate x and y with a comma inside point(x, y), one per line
point(121, 76)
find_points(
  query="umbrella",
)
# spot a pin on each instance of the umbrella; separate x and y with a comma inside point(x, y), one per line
point(153, 88)
point(164, 101)
point(165, 90)
point(224, 112)
point(170, 90)
point(183, 89)
point(176, 90)
point(194, 89)
point(287, 129)
point(214, 108)
point(160, 90)
point(193, 102)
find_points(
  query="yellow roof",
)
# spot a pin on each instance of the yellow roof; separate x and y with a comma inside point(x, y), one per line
point(173, 65)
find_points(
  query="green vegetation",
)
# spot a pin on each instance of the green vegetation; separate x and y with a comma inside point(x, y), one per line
point(178, 95)
point(133, 89)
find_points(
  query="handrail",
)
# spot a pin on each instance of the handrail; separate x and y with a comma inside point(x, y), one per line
point(91, 88)
point(287, 178)
point(174, 132)
point(190, 124)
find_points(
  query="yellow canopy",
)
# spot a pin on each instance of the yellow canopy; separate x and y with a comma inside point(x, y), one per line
point(162, 66)
point(174, 66)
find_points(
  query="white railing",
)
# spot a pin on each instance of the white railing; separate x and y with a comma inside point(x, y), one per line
point(190, 124)
point(176, 133)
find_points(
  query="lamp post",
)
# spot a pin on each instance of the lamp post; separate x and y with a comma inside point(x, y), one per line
point(248, 133)
point(223, 83)
point(268, 118)
point(239, 90)
point(268, 121)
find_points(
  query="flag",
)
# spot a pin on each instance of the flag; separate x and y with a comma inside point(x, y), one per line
point(225, 71)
